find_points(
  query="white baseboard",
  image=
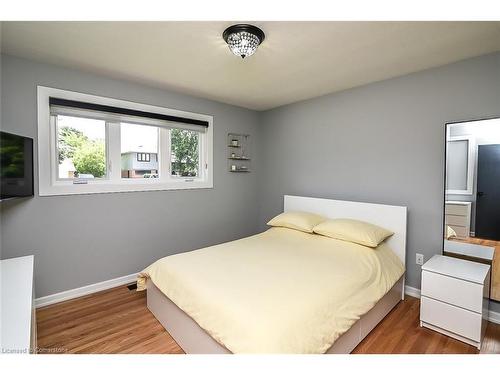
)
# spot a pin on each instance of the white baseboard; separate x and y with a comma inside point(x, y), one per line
point(84, 290)
point(411, 291)
point(493, 316)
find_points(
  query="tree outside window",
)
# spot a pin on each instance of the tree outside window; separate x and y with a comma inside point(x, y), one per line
point(86, 155)
point(185, 152)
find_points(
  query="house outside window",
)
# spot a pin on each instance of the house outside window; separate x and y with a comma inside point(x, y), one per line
point(136, 165)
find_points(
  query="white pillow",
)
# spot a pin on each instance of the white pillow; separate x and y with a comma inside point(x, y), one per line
point(356, 231)
point(303, 221)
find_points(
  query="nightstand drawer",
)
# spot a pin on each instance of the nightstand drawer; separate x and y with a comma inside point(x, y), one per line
point(454, 291)
point(453, 319)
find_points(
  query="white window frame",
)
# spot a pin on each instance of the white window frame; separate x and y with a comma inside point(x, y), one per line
point(49, 184)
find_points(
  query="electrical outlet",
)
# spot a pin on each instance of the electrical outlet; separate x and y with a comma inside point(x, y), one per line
point(419, 259)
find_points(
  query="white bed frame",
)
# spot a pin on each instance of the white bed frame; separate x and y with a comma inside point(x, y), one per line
point(194, 340)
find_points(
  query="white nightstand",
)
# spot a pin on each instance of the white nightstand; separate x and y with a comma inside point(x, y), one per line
point(455, 298)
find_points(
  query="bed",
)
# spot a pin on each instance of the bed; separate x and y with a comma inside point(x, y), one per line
point(282, 291)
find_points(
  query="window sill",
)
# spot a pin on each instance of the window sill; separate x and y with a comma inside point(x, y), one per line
point(102, 187)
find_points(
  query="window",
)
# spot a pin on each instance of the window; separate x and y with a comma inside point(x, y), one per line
point(81, 147)
point(143, 157)
point(185, 150)
point(90, 144)
point(134, 140)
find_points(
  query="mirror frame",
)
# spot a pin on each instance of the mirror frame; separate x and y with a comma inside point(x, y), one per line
point(446, 124)
point(445, 192)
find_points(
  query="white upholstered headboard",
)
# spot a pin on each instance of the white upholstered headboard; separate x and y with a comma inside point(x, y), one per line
point(389, 217)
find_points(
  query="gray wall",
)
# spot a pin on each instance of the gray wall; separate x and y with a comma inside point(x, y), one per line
point(79, 240)
point(382, 142)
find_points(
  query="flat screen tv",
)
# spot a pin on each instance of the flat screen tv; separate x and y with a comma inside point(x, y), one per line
point(16, 166)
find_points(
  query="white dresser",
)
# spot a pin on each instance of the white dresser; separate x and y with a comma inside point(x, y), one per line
point(18, 333)
point(457, 216)
point(455, 298)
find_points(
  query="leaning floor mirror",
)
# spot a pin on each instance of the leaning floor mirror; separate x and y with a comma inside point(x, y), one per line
point(472, 194)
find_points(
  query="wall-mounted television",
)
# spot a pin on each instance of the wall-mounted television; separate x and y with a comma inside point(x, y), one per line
point(16, 166)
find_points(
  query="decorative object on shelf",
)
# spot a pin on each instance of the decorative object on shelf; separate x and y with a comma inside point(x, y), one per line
point(238, 152)
point(243, 39)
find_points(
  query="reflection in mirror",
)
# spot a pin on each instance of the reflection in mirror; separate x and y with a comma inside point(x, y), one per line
point(472, 195)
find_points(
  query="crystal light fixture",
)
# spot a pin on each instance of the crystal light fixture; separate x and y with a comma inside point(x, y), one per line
point(243, 39)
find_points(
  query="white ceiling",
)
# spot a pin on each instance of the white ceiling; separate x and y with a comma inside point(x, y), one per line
point(297, 61)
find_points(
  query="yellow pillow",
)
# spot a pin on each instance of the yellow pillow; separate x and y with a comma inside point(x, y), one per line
point(303, 221)
point(355, 231)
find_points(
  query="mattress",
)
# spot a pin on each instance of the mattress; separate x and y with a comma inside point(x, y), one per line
point(280, 291)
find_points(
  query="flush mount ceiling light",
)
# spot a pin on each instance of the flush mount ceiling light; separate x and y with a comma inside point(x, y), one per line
point(243, 39)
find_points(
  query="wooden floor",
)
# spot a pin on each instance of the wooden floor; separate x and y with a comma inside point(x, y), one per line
point(113, 321)
point(118, 321)
point(495, 267)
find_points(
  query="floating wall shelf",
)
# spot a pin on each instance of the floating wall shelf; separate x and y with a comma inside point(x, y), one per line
point(239, 158)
